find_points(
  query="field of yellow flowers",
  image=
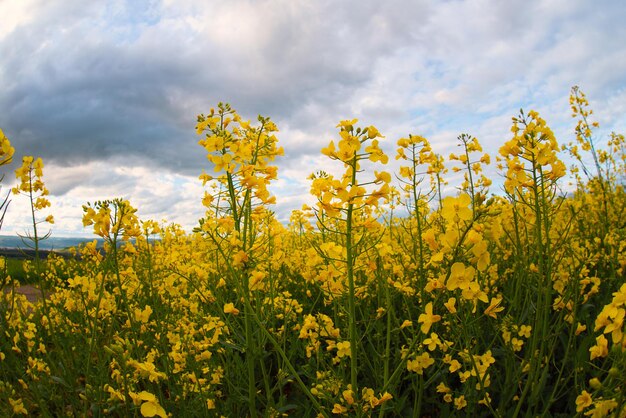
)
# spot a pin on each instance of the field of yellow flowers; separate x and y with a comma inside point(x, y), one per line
point(380, 300)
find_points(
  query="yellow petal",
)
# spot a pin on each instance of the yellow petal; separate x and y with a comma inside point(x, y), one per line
point(147, 396)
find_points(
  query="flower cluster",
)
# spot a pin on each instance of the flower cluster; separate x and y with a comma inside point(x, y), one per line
point(374, 301)
point(112, 219)
point(532, 149)
point(6, 150)
point(30, 176)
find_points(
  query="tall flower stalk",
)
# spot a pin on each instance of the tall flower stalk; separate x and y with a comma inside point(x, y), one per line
point(347, 205)
point(31, 185)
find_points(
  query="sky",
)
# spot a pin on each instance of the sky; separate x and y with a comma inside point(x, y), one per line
point(107, 92)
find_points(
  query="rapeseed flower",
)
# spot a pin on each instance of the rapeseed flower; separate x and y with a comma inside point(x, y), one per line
point(229, 308)
point(427, 319)
point(17, 405)
point(420, 363)
point(456, 209)
point(343, 349)
point(6, 150)
point(600, 349)
point(150, 406)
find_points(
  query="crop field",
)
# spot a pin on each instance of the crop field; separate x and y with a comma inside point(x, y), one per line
point(386, 298)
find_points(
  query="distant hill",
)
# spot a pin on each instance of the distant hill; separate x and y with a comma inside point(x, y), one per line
point(52, 243)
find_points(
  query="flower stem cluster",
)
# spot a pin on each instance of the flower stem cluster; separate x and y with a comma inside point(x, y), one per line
point(112, 219)
point(531, 155)
point(31, 185)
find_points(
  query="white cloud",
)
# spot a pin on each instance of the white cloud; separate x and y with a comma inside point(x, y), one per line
point(16, 14)
point(108, 92)
point(158, 196)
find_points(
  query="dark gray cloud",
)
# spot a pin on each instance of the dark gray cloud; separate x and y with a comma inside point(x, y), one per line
point(77, 98)
point(93, 83)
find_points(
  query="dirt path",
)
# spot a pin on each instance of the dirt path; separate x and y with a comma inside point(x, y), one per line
point(31, 292)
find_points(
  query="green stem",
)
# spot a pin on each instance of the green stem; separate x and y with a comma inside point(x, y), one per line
point(387, 354)
point(350, 258)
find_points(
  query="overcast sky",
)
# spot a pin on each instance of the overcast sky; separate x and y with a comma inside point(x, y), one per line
point(107, 93)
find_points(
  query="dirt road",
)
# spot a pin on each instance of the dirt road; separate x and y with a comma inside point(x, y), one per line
point(31, 292)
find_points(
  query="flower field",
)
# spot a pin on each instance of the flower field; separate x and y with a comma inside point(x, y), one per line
point(386, 298)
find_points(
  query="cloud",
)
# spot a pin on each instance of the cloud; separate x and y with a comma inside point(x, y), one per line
point(102, 86)
point(172, 197)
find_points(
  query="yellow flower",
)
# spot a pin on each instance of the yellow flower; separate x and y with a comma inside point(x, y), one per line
point(406, 172)
point(456, 209)
point(406, 323)
point(349, 145)
point(148, 370)
point(150, 407)
point(386, 396)
point(619, 297)
point(372, 132)
point(601, 348)
point(343, 349)
point(367, 395)
point(222, 162)
point(460, 402)
point(348, 395)
point(428, 318)
point(420, 363)
point(376, 154)
point(602, 408)
point(517, 344)
point(524, 331)
point(432, 342)
point(18, 405)
point(442, 388)
point(382, 177)
point(229, 308)
point(143, 315)
point(455, 365)
point(616, 322)
point(339, 409)
point(207, 200)
point(450, 305)
point(330, 150)
point(38, 167)
point(347, 124)
point(240, 258)
point(494, 307)
point(583, 401)
point(6, 150)
point(460, 276)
